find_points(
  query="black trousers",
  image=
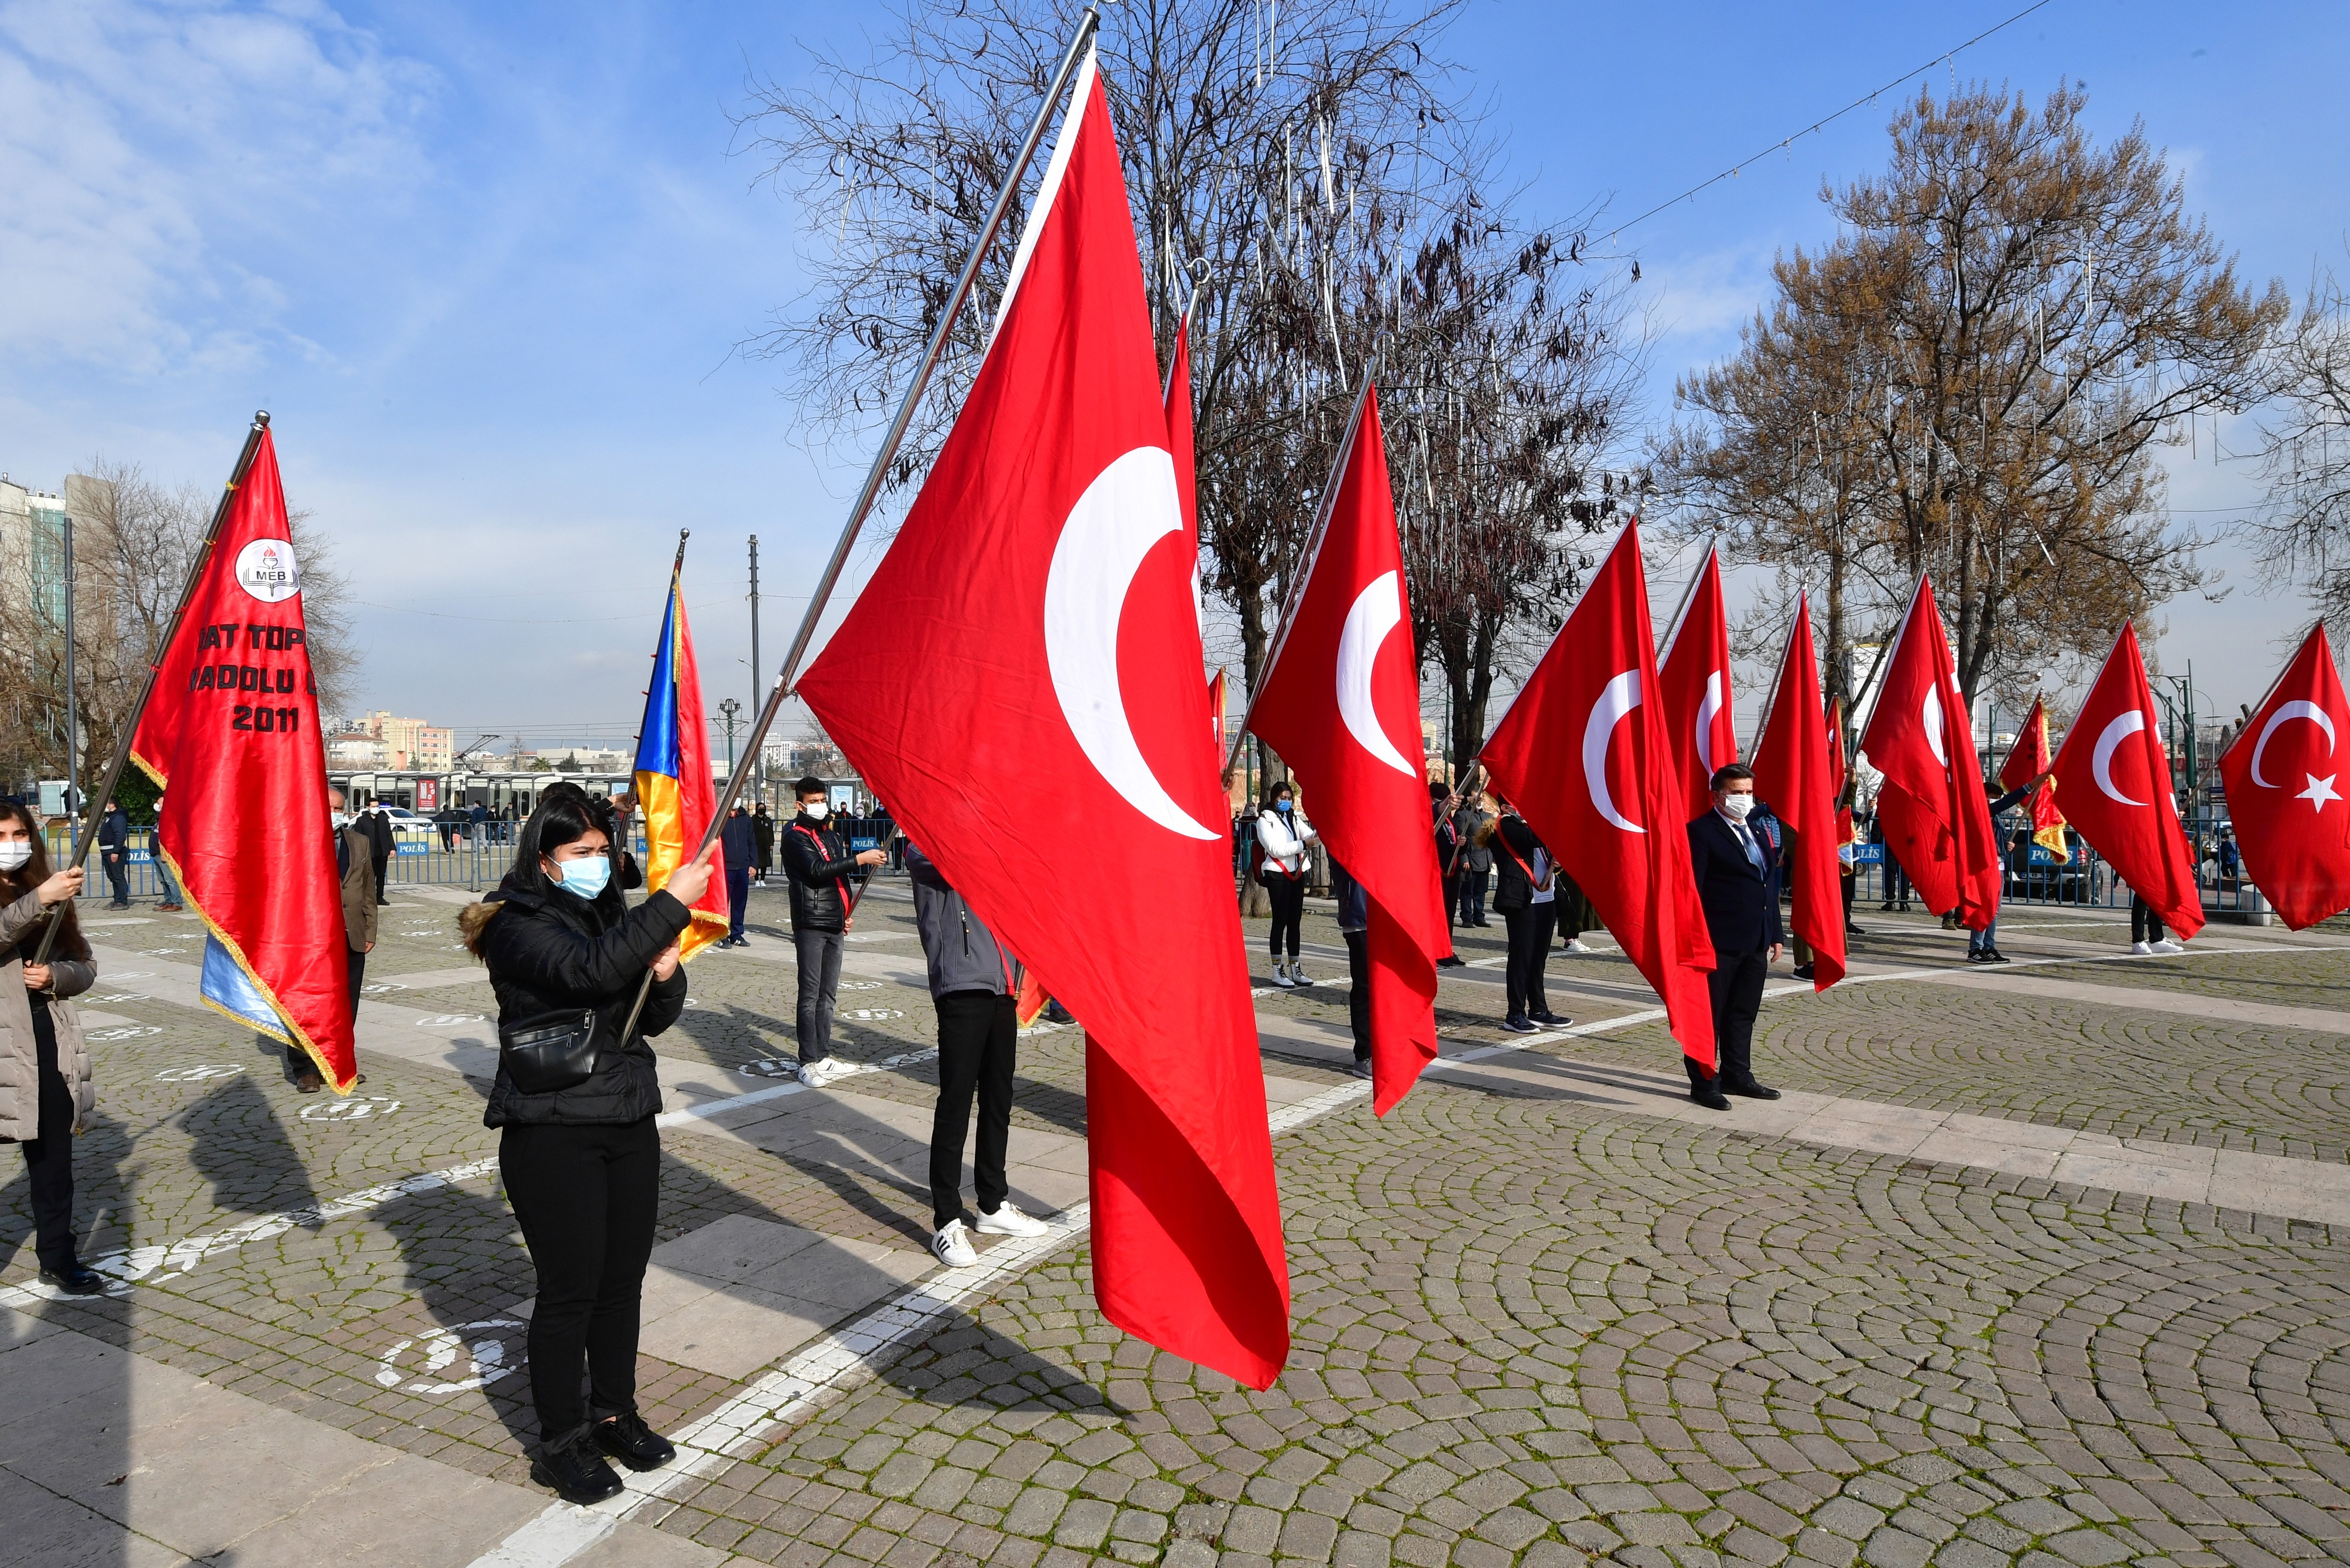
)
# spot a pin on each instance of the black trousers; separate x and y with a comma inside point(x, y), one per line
point(1358, 992)
point(357, 979)
point(1736, 988)
point(118, 872)
point(1897, 881)
point(1472, 898)
point(1288, 908)
point(738, 899)
point(49, 1159)
point(1530, 932)
point(585, 1198)
point(819, 956)
point(2145, 926)
point(1452, 897)
point(382, 864)
point(979, 1034)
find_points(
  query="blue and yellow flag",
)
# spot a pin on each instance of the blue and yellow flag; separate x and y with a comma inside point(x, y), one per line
point(673, 778)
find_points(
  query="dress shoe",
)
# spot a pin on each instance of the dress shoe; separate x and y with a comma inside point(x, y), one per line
point(1852, 930)
point(1753, 1091)
point(628, 1440)
point(75, 1279)
point(1452, 960)
point(310, 1082)
point(578, 1475)
point(1708, 1097)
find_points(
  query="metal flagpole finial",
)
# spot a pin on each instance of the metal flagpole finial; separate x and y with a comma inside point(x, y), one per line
point(261, 418)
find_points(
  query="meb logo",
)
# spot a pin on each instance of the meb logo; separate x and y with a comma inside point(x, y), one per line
point(266, 569)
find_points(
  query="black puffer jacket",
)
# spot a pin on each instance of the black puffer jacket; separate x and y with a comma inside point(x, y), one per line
point(820, 865)
point(546, 950)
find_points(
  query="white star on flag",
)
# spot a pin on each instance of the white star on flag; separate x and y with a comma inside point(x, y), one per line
point(2319, 792)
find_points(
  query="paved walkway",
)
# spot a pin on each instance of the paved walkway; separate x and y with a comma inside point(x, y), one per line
point(2035, 1264)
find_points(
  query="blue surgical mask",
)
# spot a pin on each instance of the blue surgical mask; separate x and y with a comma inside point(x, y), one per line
point(1282, 806)
point(586, 878)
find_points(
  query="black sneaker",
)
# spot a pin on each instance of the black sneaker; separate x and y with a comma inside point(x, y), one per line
point(1802, 971)
point(628, 1440)
point(1452, 960)
point(1517, 1023)
point(1992, 955)
point(578, 1475)
point(1552, 1020)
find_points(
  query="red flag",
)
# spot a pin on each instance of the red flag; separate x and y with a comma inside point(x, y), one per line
point(1340, 702)
point(1033, 618)
point(1792, 771)
point(2026, 760)
point(1840, 775)
point(1179, 429)
point(1931, 806)
point(2281, 779)
point(2112, 781)
point(232, 730)
point(1613, 812)
point(1693, 679)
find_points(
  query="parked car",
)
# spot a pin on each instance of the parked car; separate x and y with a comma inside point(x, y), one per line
point(2035, 871)
point(406, 824)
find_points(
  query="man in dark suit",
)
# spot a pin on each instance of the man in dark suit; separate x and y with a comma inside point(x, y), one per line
point(1737, 873)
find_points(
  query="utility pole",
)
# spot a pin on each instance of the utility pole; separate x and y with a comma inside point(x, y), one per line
point(730, 708)
point(758, 765)
point(73, 706)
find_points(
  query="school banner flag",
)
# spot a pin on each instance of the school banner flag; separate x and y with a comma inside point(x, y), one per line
point(233, 729)
point(673, 780)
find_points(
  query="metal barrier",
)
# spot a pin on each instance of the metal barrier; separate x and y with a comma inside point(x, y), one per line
point(2081, 878)
point(477, 857)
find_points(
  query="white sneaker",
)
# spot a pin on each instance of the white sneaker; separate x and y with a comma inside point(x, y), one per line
point(1281, 975)
point(816, 1075)
point(2167, 946)
point(952, 1247)
point(1578, 945)
point(2141, 948)
point(1007, 1220)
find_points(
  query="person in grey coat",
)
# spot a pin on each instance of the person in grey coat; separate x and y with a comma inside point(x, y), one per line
point(45, 1080)
point(975, 987)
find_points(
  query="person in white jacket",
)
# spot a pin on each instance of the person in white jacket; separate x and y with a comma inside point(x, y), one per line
point(1285, 835)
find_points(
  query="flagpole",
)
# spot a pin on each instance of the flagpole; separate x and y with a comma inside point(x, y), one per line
point(95, 804)
point(1689, 596)
point(1329, 503)
point(1086, 26)
point(1762, 722)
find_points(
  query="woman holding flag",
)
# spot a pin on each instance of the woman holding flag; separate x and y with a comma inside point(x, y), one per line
point(579, 1154)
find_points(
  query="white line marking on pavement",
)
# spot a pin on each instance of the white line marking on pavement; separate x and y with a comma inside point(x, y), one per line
point(555, 1537)
point(127, 1268)
point(737, 1102)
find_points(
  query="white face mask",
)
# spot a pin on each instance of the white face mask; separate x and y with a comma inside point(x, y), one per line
point(1736, 807)
point(815, 808)
point(14, 852)
point(339, 818)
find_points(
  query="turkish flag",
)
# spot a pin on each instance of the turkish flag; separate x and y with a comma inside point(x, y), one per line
point(2282, 783)
point(1693, 675)
point(1340, 702)
point(1583, 756)
point(1793, 771)
point(1033, 618)
point(232, 730)
point(1931, 806)
point(2027, 760)
point(2113, 783)
point(1839, 774)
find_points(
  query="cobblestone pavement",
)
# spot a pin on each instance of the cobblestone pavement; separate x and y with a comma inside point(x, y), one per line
point(1528, 1331)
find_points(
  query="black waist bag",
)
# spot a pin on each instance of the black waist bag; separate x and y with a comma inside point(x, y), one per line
point(553, 1051)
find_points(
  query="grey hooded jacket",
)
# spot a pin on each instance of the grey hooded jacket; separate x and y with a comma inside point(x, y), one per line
point(964, 954)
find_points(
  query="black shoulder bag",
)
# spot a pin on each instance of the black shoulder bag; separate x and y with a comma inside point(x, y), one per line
point(553, 1051)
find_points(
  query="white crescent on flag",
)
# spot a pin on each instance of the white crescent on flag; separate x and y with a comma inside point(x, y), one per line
point(1377, 611)
point(2101, 761)
point(1617, 700)
point(2296, 708)
point(1128, 508)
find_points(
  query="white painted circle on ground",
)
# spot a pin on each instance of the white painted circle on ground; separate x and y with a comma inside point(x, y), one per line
point(774, 1067)
point(858, 985)
point(130, 1031)
point(872, 1015)
point(126, 996)
point(161, 952)
point(379, 987)
point(455, 1360)
point(446, 1019)
point(354, 1109)
point(198, 1075)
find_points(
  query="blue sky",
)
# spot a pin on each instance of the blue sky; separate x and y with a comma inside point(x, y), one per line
point(487, 266)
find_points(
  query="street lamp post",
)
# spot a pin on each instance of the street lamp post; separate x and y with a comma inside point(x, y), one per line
point(730, 708)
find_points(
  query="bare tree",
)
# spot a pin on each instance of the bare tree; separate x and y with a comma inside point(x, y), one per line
point(2302, 533)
